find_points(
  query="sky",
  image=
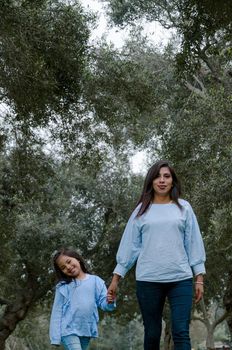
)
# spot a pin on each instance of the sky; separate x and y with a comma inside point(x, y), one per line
point(153, 30)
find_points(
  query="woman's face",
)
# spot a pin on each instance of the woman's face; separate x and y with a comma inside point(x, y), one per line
point(162, 184)
point(69, 266)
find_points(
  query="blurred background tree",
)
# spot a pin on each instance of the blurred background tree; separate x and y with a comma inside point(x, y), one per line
point(72, 115)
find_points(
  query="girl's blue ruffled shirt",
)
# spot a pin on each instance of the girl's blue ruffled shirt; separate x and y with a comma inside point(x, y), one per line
point(75, 308)
point(165, 243)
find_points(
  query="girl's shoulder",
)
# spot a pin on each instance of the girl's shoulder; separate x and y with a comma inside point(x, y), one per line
point(60, 284)
point(63, 285)
point(96, 278)
point(99, 282)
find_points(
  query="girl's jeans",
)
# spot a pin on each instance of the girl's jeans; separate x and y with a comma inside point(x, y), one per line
point(151, 297)
point(73, 342)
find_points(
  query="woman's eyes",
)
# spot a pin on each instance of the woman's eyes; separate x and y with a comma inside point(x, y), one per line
point(167, 176)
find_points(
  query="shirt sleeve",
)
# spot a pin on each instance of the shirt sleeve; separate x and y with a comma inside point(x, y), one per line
point(130, 245)
point(194, 244)
point(101, 295)
point(55, 321)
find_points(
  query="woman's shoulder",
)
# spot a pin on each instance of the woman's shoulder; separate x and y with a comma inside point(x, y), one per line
point(184, 203)
point(135, 211)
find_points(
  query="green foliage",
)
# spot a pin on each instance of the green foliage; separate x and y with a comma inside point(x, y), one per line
point(126, 89)
point(43, 57)
point(204, 27)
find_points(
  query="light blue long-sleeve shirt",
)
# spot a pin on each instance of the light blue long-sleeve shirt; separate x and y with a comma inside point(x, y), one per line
point(165, 243)
point(75, 308)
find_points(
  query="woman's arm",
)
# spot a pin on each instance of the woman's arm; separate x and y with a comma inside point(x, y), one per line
point(196, 252)
point(199, 287)
point(129, 247)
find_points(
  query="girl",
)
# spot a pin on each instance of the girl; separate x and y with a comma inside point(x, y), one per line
point(163, 238)
point(78, 295)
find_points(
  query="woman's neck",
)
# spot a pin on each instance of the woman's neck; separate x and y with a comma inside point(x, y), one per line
point(162, 200)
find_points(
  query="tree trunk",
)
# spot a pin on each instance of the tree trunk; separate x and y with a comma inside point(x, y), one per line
point(14, 313)
point(210, 339)
point(229, 323)
point(227, 301)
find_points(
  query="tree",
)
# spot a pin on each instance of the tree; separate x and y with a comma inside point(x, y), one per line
point(204, 28)
point(43, 57)
point(41, 76)
point(211, 322)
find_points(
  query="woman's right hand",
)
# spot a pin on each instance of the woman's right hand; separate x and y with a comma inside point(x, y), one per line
point(111, 292)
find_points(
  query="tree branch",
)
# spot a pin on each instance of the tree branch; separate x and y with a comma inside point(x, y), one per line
point(198, 318)
point(220, 319)
point(196, 90)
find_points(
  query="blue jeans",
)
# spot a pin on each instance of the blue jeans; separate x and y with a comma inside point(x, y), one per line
point(73, 342)
point(151, 297)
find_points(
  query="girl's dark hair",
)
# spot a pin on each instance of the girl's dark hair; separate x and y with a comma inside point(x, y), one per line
point(73, 254)
point(148, 194)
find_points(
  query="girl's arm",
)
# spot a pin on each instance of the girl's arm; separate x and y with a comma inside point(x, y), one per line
point(101, 296)
point(55, 321)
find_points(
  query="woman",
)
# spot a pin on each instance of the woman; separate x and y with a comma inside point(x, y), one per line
point(163, 238)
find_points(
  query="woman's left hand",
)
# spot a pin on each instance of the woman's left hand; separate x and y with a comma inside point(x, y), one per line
point(199, 291)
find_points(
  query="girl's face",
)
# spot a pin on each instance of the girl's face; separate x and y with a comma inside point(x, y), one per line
point(162, 184)
point(70, 266)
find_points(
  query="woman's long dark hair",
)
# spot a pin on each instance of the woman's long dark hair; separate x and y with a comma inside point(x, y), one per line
point(71, 253)
point(148, 193)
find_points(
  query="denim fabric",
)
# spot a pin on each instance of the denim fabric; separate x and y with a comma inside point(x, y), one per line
point(151, 297)
point(73, 342)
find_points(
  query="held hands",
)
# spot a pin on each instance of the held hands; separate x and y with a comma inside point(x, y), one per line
point(111, 293)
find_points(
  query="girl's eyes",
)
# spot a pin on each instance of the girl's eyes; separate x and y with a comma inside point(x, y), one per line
point(67, 262)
